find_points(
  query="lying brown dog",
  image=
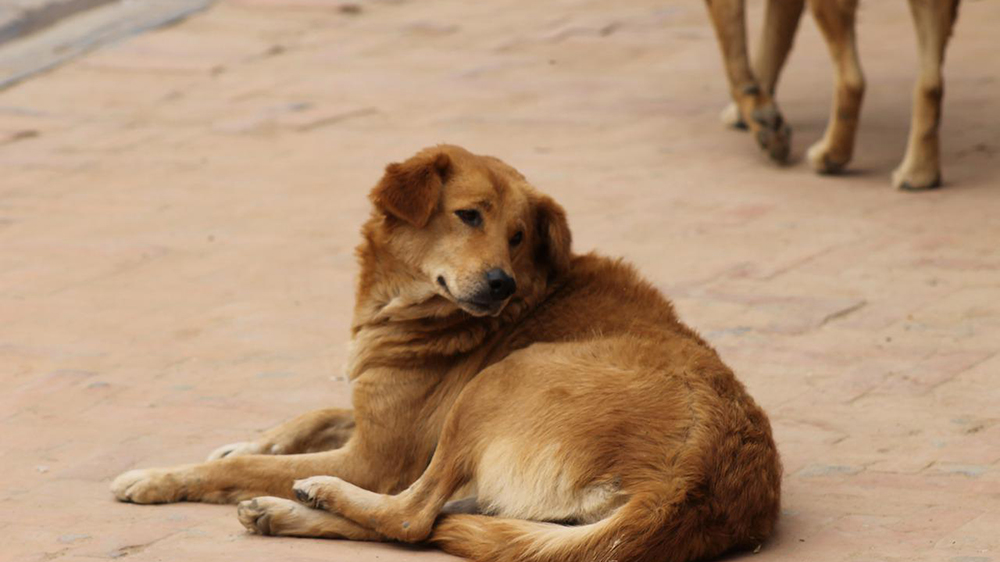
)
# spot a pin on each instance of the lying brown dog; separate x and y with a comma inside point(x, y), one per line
point(558, 395)
point(753, 90)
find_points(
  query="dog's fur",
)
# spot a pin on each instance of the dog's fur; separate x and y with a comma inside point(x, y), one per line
point(579, 418)
point(753, 90)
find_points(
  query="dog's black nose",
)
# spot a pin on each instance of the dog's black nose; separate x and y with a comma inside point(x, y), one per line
point(501, 284)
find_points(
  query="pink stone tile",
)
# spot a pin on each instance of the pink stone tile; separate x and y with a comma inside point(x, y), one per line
point(176, 241)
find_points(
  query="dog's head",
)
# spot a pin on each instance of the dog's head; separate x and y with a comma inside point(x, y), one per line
point(471, 228)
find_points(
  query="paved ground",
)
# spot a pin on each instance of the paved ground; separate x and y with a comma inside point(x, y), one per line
point(177, 216)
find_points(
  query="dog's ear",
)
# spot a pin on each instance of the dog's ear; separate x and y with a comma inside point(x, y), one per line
point(411, 190)
point(552, 247)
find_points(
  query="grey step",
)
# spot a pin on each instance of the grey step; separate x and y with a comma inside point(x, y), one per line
point(72, 36)
point(19, 18)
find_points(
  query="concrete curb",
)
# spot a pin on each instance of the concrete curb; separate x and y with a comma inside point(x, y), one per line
point(68, 37)
point(27, 17)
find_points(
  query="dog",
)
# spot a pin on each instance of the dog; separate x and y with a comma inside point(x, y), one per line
point(512, 401)
point(753, 91)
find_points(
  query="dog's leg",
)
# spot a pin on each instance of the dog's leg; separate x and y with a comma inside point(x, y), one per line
point(781, 21)
point(281, 517)
point(409, 515)
point(835, 19)
point(231, 479)
point(312, 432)
point(921, 167)
point(755, 105)
point(390, 447)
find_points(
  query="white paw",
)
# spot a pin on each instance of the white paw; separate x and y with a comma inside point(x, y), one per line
point(916, 179)
point(146, 486)
point(237, 449)
point(730, 117)
point(309, 491)
point(822, 161)
point(268, 515)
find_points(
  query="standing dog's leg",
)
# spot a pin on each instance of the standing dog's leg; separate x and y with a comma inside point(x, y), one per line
point(781, 21)
point(312, 432)
point(835, 19)
point(755, 105)
point(921, 167)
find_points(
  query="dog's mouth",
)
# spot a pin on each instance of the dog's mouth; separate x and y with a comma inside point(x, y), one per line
point(474, 307)
point(479, 308)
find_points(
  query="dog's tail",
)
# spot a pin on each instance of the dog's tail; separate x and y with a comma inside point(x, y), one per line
point(650, 526)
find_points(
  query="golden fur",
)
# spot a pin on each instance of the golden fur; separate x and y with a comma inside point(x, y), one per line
point(576, 419)
point(753, 89)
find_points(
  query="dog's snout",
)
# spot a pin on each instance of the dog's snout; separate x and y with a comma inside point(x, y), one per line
point(501, 284)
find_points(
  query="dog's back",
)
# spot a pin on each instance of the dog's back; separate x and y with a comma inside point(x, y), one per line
point(626, 422)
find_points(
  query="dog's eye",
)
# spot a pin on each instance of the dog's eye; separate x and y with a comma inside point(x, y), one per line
point(470, 217)
point(516, 239)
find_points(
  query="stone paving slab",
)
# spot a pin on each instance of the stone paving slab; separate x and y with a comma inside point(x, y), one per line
point(178, 214)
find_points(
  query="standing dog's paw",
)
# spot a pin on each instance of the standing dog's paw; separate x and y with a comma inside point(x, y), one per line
point(916, 178)
point(148, 485)
point(316, 491)
point(824, 160)
point(730, 117)
point(773, 135)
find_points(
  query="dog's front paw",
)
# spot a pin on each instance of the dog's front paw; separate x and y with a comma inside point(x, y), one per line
point(237, 449)
point(317, 491)
point(773, 134)
point(916, 177)
point(730, 117)
point(148, 485)
point(825, 160)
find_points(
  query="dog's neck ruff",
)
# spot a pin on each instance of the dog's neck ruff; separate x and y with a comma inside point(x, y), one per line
point(399, 318)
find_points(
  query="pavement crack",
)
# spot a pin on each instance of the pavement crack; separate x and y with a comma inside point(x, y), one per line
point(127, 550)
point(363, 112)
point(842, 313)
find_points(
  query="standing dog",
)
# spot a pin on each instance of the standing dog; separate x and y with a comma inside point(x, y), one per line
point(558, 395)
point(753, 90)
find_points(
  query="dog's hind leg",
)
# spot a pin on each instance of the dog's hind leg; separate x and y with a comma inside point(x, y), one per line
point(755, 104)
point(921, 167)
point(312, 432)
point(268, 515)
point(781, 21)
point(835, 19)
point(409, 515)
